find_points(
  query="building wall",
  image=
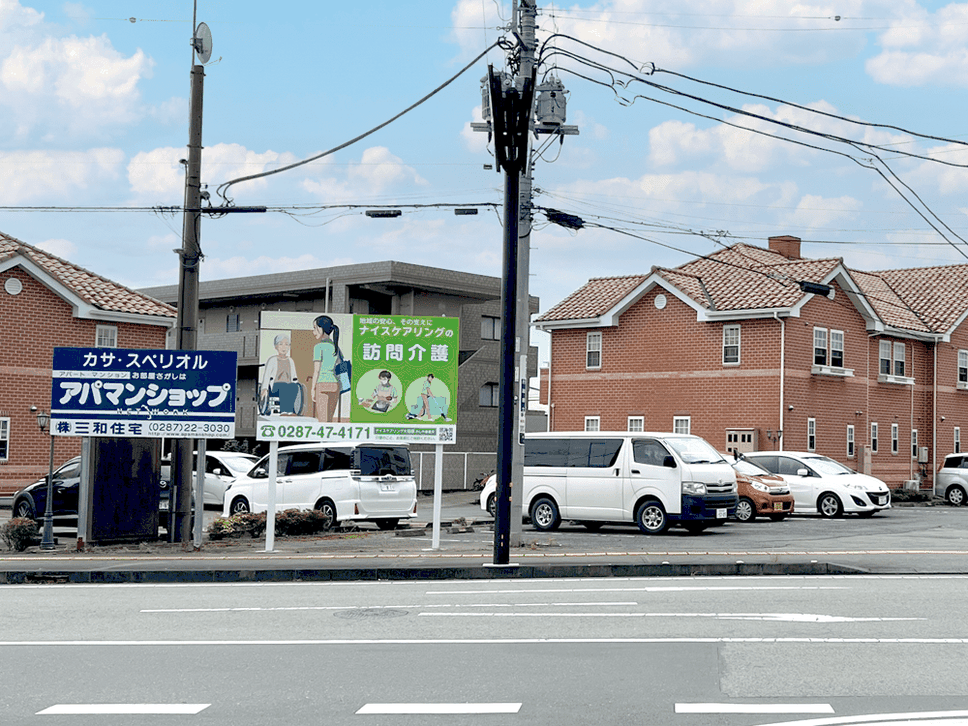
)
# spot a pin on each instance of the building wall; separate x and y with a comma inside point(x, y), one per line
point(663, 363)
point(35, 322)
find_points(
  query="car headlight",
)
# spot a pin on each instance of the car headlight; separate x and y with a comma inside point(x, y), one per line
point(696, 488)
point(760, 487)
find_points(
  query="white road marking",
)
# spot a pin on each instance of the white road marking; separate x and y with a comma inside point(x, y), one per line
point(481, 641)
point(126, 709)
point(754, 708)
point(390, 607)
point(769, 617)
point(662, 588)
point(437, 708)
point(932, 718)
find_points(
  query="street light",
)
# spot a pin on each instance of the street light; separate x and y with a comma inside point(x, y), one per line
point(47, 541)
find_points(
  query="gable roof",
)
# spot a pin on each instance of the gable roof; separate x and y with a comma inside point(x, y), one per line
point(748, 281)
point(92, 295)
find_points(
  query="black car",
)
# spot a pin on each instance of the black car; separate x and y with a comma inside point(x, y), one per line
point(31, 501)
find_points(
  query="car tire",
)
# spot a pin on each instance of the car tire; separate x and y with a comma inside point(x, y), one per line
point(240, 505)
point(544, 514)
point(955, 496)
point(651, 518)
point(387, 524)
point(492, 505)
point(745, 510)
point(829, 506)
point(23, 509)
point(329, 515)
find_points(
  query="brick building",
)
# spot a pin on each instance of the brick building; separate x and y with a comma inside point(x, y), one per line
point(744, 349)
point(47, 302)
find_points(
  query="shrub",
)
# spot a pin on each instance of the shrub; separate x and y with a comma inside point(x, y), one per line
point(238, 525)
point(293, 522)
point(19, 533)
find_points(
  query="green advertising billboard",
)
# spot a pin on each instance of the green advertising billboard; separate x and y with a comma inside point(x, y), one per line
point(340, 377)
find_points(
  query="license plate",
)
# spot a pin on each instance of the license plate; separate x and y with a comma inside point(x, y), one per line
point(720, 514)
point(388, 487)
point(777, 506)
point(163, 505)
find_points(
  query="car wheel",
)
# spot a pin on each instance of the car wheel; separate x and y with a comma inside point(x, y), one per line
point(240, 505)
point(651, 518)
point(592, 526)
point(778, 517)
point(492, 505)
point(23, 510)
point(544, 515)
point(329, 516)
point(745, 510)
point(387, 524)
point(829, 505)
point(955, 496)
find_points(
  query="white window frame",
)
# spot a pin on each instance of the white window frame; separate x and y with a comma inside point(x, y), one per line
point(490, 327)
point(4, 438)
point(106, 336)
point(963, 369)
point(593, 346)
point(731, 345)
point(850, 441)
point(884, 357)
point(900, 359)
point(837, 346)
point(811, 434)
point(914, 443)
point(593, 423)
point(636, 424)
point(957, 434)
point(873, 437)
point(895, 436)
point(820, 343)
point(681, 424)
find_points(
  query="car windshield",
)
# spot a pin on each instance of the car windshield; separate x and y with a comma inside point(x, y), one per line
point(827, 467)
point(745, 466)
point(239, 464)
point(694, 450)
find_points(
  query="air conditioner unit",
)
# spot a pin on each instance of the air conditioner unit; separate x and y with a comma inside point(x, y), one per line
point(923, 455)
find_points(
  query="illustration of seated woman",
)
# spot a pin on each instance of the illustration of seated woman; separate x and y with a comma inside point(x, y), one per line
point(384, 395)
point(429, 407)
point(280, 390)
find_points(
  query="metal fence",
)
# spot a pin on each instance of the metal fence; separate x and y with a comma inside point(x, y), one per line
point(461, 469)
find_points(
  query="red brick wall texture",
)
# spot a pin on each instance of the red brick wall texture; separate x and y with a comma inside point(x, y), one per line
point(662, 363)
point(35, 322)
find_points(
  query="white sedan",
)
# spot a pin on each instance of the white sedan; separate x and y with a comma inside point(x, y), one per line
point(820, 484)
point(221, 469)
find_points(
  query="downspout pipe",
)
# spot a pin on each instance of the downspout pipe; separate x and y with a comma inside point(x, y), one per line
point(782, 323)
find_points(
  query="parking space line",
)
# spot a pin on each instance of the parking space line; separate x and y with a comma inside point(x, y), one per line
point(754, 708)
point(437, 708)
point(124, 709)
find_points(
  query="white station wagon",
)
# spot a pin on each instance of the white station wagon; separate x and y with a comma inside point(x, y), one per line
point(350, 482)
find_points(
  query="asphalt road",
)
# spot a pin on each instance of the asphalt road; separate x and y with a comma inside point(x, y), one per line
point(724, 651)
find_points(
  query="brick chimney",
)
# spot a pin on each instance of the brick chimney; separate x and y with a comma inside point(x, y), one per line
point(786, 245)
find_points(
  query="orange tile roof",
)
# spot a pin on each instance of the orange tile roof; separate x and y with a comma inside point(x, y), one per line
point(93, 289)
point(745, 277)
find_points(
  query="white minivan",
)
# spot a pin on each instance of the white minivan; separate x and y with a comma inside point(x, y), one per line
point(654, 480)
point(347, 482)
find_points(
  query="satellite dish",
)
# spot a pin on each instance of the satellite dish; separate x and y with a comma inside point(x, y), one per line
point(203, 43)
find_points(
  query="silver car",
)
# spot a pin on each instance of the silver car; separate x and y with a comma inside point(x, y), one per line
point(952, 479)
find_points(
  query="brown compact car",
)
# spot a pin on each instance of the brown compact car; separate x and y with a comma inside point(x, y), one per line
point(760, 492)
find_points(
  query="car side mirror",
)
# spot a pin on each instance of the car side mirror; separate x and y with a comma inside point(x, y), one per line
point(669, 461)
point(803, 472)
point(220, 472)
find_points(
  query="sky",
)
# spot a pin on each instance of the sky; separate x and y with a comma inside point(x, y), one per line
point(679, 105)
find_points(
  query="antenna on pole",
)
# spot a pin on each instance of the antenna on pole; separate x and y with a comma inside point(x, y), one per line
point(202, 43)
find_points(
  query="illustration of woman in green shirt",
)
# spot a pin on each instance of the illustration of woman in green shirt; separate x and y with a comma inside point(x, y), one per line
point(325, 389)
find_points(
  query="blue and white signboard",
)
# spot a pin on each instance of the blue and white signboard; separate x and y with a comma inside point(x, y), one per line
point(143, 393)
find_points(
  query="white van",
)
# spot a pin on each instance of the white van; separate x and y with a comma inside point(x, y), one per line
point(654, 480)
point(347, 482)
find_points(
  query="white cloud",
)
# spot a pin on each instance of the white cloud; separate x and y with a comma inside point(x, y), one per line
point(47, 175)
point(378, 172)
point(922, 48)
point(815, 212)
point(214, 268)
point(61, 247)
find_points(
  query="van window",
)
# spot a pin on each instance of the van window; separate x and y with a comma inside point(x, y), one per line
point(597, 453)
point(301, 462)
point(337, 459)
point(649, 452)
point(382, 460)
point(546, 452)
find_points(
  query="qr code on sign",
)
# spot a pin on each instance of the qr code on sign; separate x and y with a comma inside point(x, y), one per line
point(446, 434)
